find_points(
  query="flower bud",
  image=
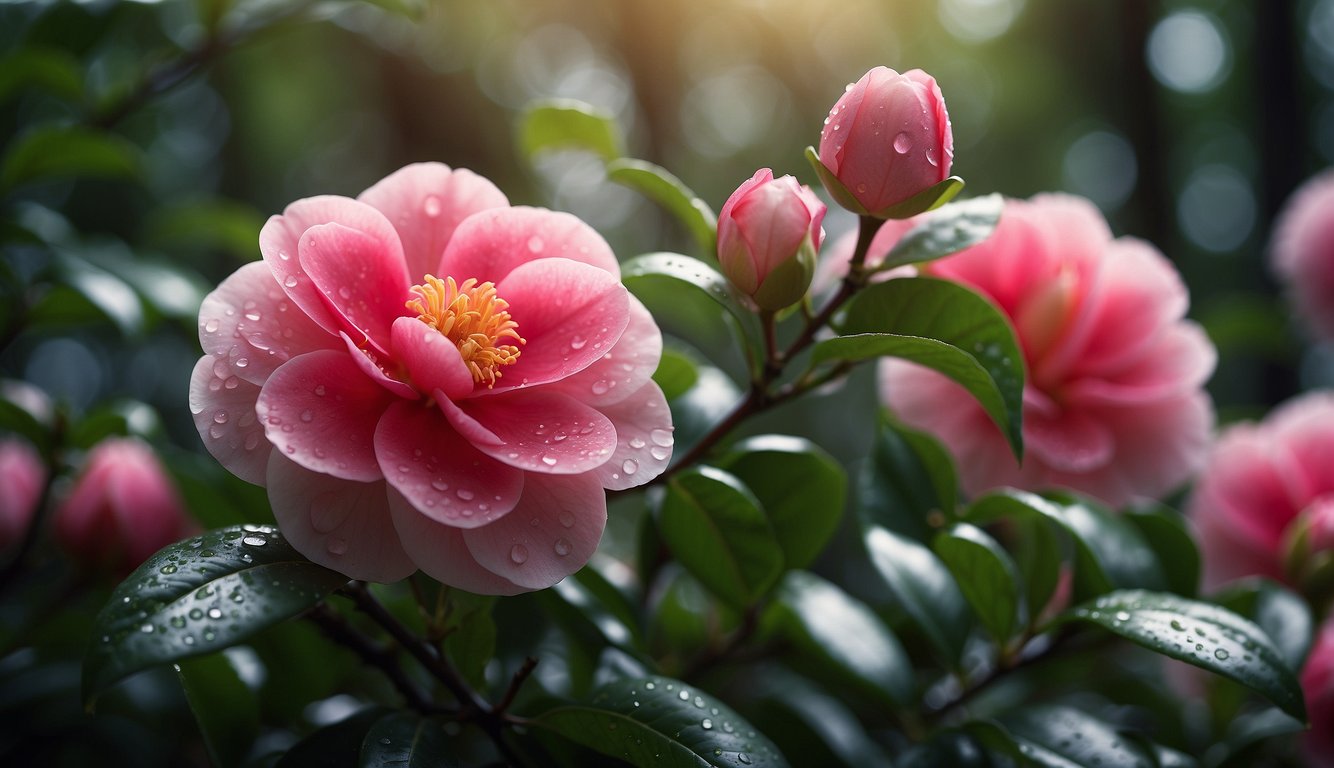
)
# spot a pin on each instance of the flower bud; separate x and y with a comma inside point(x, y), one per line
point(22, 476)
point(122, 509)
point(888, 138)
point(768, 235)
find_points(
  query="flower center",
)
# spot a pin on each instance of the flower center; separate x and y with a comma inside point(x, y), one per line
point(473, 317)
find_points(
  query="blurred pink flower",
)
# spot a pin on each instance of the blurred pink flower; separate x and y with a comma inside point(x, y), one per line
point(1318, 686)
point(1302, 253)
point(1260, 484)
point(22, 477)
point(1114, 405)
point(122, 508)
point(426, 377)
point(888, 137)
point(768, 234)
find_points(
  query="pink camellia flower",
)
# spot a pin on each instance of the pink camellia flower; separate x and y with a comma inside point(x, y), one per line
point(1302, 253)
point(1318, 686)
point(122, 508)
point(1263, 484)
point(1113, 402)
point(22, 476)
point(888, 137)
point(768, 234)
point(426, 377)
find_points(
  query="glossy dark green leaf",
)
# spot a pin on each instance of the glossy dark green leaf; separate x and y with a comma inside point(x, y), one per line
point(1164, 530)
point(986, 575)
point(569, 124)
point(1205, 635)
point(811, 725)
point(64, 151)
point(1279, 611)
point(701, 407)
point(225, 708)
point(1037, 553)
point(117, 417)
point(717, 529)
point(665, 189)
point(406, 740)
point(334, 746)
point(662, 723)
point(1073, 736)
point(924, 588)
point(220, 225)
point(909, 477)
point(108, 293)
point(585, 618)
point(978, 744)
point(845, 637)
point(199, 596)
point(943, 326)
point(471, 641)
point(684, 274)
point(929, 199)
point(49, 69)
point(800, 487)
point(946, 230)
point(676, 373)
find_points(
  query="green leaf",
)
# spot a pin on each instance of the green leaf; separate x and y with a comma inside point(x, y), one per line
point(841, 194)
point(985, 574)
point(845, 637)
point(1037, 551)
point(471, 641)
point(660, 186)
point(1279, 611)
point(682, 274)
point(928, 199)
point(943, 326)
point(925, 589)
point(334, 746)
point(583, 614)
point(700, 409)
point(716, 528)
point(199, 596)
point(945, 231)
point(406, 740)
point(569, 124)
point(676, 373)
point(111, 295)
point(800, 487)
point(224, 225)
point(682, 613)
point(1164, 530)
point(1205, 635)
point(1073, 736)
point(408, 9)
point(49, 69)
point(227, 711)
point(910, 475)
point(63, 151)
point(662, 723)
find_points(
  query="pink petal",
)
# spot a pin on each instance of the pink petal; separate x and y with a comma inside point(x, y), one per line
point(551, 533)
point(426, 202)
point(491, 244)
point(321, 412)
point(626, 366)
point(440, 552)
point(1071, 442)
point(540, 431)
point(439, 472)
point(362, 278)
point(431, 358)
point(569, 314)
point(643, 439)
point(223, 406)
point(340, 524)
point(251, 324)
point(280, 239)
point(1180, 358)
point(1245, 489)
point(372, 364)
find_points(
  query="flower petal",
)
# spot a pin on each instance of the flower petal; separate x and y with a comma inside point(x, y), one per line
point(551, 533)
point(643, 439)
point(362, 278)
point(1179, 358)
point(368, 361)
point(251, 324)
point(1070, 441)
point(569, 314)
point(340, 524)
point(321, 412)
point(491, 244)
point(541, 431)
point(431, 358)
point(624, 369)
point(439, 472)
point(440, 552)
point(426, 202)
point(280, 240)
point(223, 406)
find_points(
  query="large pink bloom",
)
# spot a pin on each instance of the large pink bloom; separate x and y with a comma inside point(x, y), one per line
point(425, 377)
point(1302, 253)
point(1114, 405)
point(1260, 481)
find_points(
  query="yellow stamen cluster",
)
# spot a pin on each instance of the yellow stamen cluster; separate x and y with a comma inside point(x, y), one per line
point(474, 318)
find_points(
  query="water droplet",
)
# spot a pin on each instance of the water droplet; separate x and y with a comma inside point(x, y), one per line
point(307, 416)
point(902, 143)
point(566, 519)
point(563, 547)
point(320, 390)
point(684, 695)
point(600, 387)
point(1122, 616)
point(168, 569)
point(1220, 654)
point(464, 494)
point(431, 206)
point(743, 758)
point(254, 541)
point(662, 437)
point(637, 443)
point(535, 244)
point(519, 554)
point(549, 460)
point(291, 281)
point(337, 546)
point(578, 342)
point(1178, 626)
point(344, 292)
point(649, 686)
point(706, 724)
point(630, 466)
point(214, 613)
point(660, 453)
point(211, 326)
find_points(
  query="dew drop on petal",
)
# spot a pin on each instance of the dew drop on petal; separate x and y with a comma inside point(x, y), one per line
point(902, 143)
point(307, 415)
point(519, 554)
point(630, 466)
point(566, 519)
point(549, 460)
point(464, 494)
point(337, 546)
point(563, 547)
point(662, 437)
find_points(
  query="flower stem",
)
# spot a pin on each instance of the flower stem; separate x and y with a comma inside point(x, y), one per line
point(338, 629)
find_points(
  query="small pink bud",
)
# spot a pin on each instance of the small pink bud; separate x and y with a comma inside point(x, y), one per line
point(22, 476)
point(888, 138)
point(122, 509)
point(768, 235)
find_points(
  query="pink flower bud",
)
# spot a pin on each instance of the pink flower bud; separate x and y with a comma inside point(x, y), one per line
point(768, 234)
point(22, 476)
point(888, 138)
point(122, 508)
point(1318, 686)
